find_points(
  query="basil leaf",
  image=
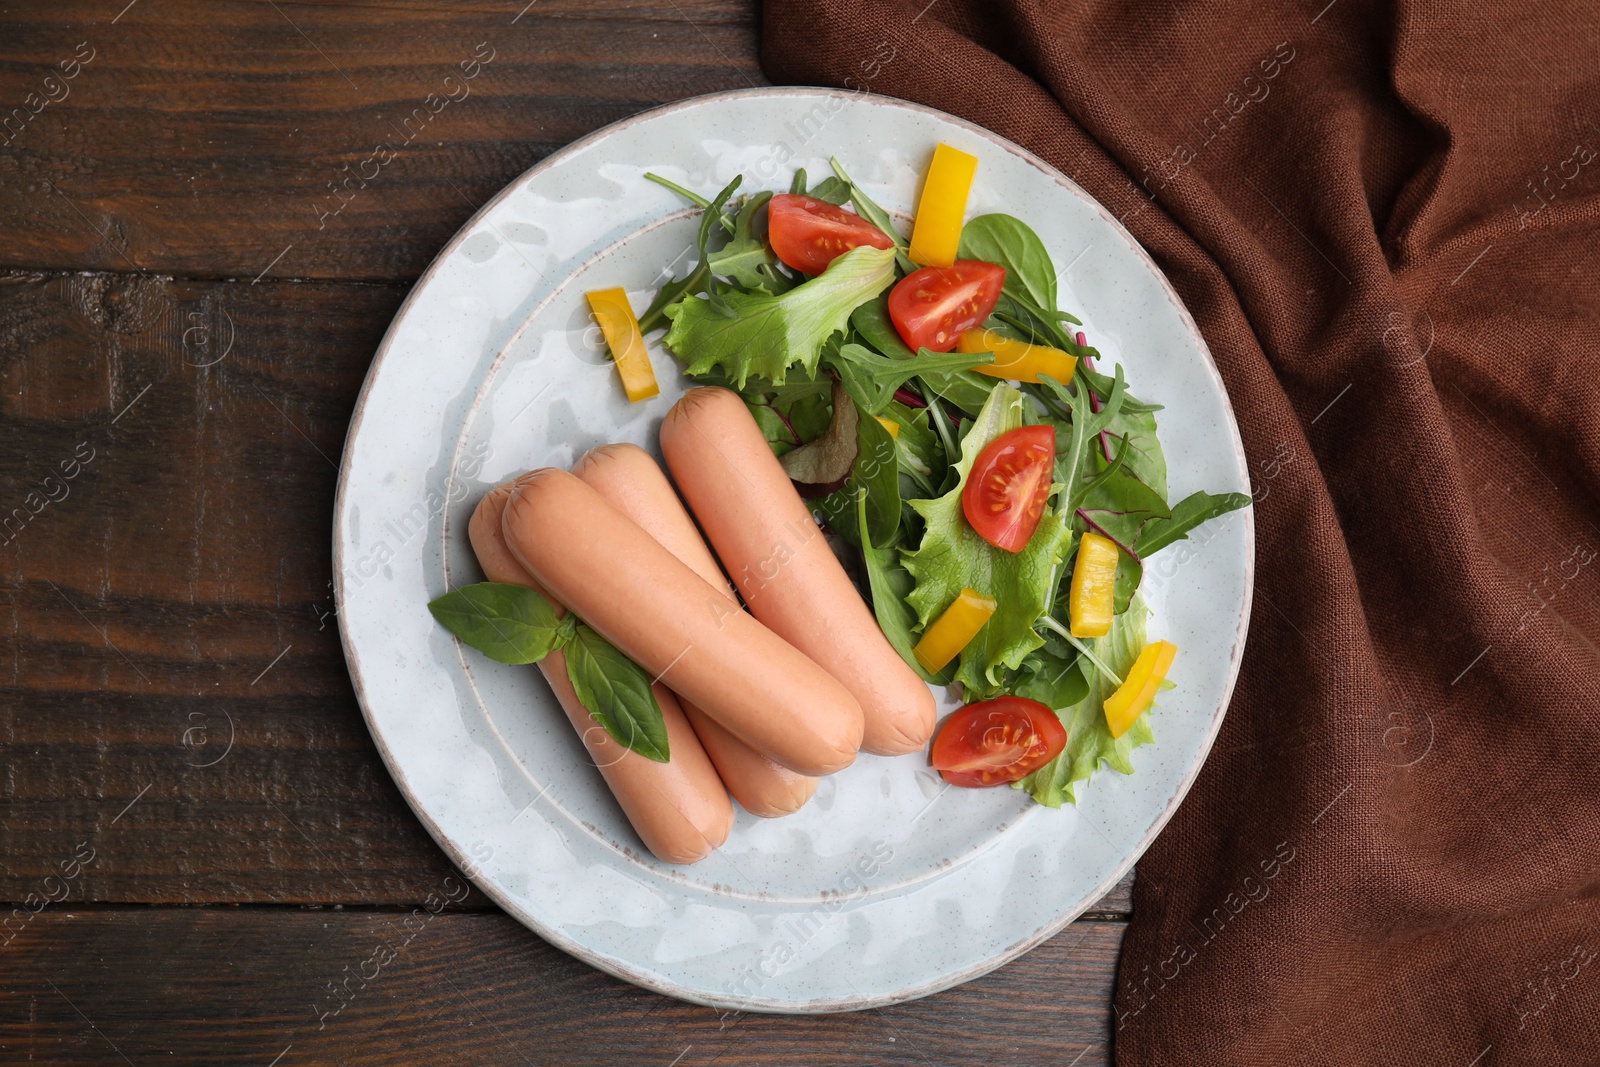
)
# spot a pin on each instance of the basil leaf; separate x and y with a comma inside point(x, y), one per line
point(616, 691)
point(874, 479)
point(1009, 242)
point(1187, 513)
point(507, 623)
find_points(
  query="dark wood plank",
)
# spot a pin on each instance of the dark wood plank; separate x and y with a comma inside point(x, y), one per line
point(175, 596)
point(200, 138)
point(244, 986)
point(188, 553)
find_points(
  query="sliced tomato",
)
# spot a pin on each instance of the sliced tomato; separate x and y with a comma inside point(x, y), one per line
point(808, 234)
point(997, 741)
point(930, 307)
point(1008, 485)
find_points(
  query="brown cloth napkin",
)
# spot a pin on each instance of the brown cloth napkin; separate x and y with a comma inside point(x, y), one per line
point(1386, 220)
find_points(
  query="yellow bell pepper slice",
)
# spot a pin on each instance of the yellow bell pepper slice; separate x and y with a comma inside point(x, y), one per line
point(890, 425)
point(1144, 680)
point(953, 630)
point(1017, 360)
point(942, 207)
point(615, 318)
point(1094, 580)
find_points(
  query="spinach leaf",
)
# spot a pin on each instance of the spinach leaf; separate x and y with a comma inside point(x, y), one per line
point(507, 623)
point(830, 190)
point(1056, 681)
point(1187, 513)
point(616, 691)
point(1009, 241)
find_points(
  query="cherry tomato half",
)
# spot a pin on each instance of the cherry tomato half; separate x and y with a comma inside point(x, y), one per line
point(808, 234)
point(997, 741)
point(930, 307)
point(1008, 484)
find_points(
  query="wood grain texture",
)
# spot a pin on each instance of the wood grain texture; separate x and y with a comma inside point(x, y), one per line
point(209, 140)
point(226, 987)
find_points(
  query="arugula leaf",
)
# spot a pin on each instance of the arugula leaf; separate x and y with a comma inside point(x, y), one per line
point(877, 216)
point(952, 556)
point(874, 480)
point(918, 451)
point(769, 334)
point(741, 258)
point(964, 389)
point(616, 691)
point(872, 379)
point(1089, 740)
point(889, 584)
point(1009, 241)
point(1191, 511)
point(507, 623)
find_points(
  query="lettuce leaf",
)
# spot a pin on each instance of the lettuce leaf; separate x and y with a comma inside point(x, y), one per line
point(766, 335)
point(1089, 740)
point(952, 556)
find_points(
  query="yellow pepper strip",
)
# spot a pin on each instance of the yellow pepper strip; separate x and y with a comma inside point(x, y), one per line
point(890, 425)
point(1134, 695)
point(942, 207)
point(952, 631)
point(1094, 580)
point(615, 317)
point(1016, 360)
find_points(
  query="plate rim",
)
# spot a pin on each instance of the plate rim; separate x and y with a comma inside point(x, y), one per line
point(617, 967)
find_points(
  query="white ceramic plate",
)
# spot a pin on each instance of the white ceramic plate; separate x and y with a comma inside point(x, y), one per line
point(888, 886)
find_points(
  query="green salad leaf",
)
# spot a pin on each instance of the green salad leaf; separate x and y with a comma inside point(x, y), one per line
point(1010, 242)
point(963, 388)
point(746, 259)
point(616, 691)
point(517, 625)
point(507, 623)
point(766, 335)
point(952, 556)
point(874, 481)
point(873, 378)
point(1089, 739)
point(890, 583)
point(1191, 511)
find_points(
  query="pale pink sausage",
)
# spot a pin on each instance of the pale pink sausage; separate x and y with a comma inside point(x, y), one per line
point(678, 808)
point(634, 484)
point(765, 536)
point(669, 621)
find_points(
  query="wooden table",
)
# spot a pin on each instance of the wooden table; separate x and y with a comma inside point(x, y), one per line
point(201, 847)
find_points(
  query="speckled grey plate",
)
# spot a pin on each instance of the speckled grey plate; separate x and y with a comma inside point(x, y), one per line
point(887, 886)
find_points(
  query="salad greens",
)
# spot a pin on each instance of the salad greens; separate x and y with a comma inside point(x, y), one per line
point(742, 319)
